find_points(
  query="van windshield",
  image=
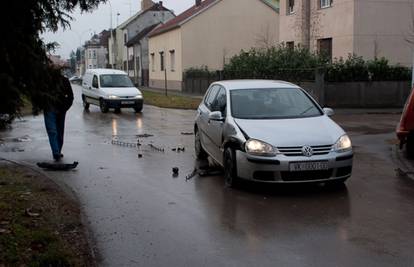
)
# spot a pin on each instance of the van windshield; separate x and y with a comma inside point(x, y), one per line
point(115, 80)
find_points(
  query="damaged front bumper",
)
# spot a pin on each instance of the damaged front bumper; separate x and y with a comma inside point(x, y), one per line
point(278, 169)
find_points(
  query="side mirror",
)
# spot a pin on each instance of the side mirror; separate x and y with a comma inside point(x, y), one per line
point(215, 116)
point(328, 111)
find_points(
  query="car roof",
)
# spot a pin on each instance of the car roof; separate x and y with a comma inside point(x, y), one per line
point(255, 84)
point(106, 71)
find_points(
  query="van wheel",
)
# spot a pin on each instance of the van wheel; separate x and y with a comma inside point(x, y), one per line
point(410, 145)
point(230, 169)
point(85, 103)
point(103, 106)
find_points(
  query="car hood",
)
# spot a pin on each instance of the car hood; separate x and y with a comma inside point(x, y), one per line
point(312, 131)
point(121, 91)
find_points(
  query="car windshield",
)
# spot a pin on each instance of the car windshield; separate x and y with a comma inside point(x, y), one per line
point(115, 80)
point(272, 103)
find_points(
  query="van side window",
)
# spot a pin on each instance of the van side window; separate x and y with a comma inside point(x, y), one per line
point(95, 82)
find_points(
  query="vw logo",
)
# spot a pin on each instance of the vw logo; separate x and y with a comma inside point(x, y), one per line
point(307, 151)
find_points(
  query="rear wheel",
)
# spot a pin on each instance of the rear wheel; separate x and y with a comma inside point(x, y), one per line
point(85, 103)
point(103, 106)
point(410, 145)
point(230, 170)
point(199, 151)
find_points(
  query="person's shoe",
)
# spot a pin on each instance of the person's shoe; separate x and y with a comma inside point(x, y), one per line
point(61, 155)
point(57, 158)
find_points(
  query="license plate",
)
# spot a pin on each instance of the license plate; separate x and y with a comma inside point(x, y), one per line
point(308, 166)
point(127, 102)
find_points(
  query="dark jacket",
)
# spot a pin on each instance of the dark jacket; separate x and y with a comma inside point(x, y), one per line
point(67, 95)
point(62, 95)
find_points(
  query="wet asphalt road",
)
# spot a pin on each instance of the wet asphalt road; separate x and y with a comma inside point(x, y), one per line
point(141, 215)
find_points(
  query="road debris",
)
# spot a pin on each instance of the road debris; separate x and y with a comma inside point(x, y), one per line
point(178, 149)
point(191, 175)
point(31, 213)
point(175, 170)
point(139, 155)
point(156, 148)
point(22, 139)
point(144, 135)
point(187, 133)
point(125, 144)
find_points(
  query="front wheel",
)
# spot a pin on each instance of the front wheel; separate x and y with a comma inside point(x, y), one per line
point(85, 103)
point(199, 151)
point(230, 169)
point(138, 109)
point(103, 106)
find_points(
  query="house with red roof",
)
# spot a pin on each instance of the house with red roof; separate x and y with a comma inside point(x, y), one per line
point(208, 34)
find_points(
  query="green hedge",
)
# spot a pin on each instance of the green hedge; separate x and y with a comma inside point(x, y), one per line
point(299, 64)
point(355, 68)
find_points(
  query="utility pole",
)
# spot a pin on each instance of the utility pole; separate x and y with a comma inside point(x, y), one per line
point(111, 55)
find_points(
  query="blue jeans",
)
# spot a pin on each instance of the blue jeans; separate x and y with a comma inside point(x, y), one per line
point(55, 127)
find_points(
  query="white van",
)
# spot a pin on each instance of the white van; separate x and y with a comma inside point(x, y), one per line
point(108, 88)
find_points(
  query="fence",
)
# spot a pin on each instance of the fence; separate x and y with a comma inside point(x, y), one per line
point(374, 94)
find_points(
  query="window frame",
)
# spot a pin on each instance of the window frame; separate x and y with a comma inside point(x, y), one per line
point(172, 60)
point(162, 61)
point(290, 9)
point(327, 4)
point(152, 62)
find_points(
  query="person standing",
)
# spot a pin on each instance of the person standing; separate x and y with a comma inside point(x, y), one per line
point(55, 113)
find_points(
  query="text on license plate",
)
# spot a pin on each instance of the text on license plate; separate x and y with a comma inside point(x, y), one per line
point(308, 166)
point(127, 102)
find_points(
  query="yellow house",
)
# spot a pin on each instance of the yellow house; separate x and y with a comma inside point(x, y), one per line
point(209, 34)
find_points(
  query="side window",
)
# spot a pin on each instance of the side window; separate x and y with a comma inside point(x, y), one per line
point(220, 102)
point(95, 82)
point(211, 96)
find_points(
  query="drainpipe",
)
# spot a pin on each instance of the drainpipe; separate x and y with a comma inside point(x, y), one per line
point(412, 80)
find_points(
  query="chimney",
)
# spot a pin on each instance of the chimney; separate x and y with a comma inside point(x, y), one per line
point(198, 2)
point(145, 4)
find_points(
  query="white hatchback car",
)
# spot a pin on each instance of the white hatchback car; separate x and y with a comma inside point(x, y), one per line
point(108, 88)
point(271, 131)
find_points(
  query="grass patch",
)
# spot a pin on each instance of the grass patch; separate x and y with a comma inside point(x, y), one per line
point(170, 101)
point(39, 225)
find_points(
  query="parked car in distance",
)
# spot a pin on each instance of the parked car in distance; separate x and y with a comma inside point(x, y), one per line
point(405, 129)
point(108, 88)
point(76, 80)
point(271, 131)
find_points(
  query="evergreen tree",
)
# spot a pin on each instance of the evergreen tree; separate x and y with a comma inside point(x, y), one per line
point(25, 70)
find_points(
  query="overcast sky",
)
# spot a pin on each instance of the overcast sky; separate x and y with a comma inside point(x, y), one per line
point(84, 25)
